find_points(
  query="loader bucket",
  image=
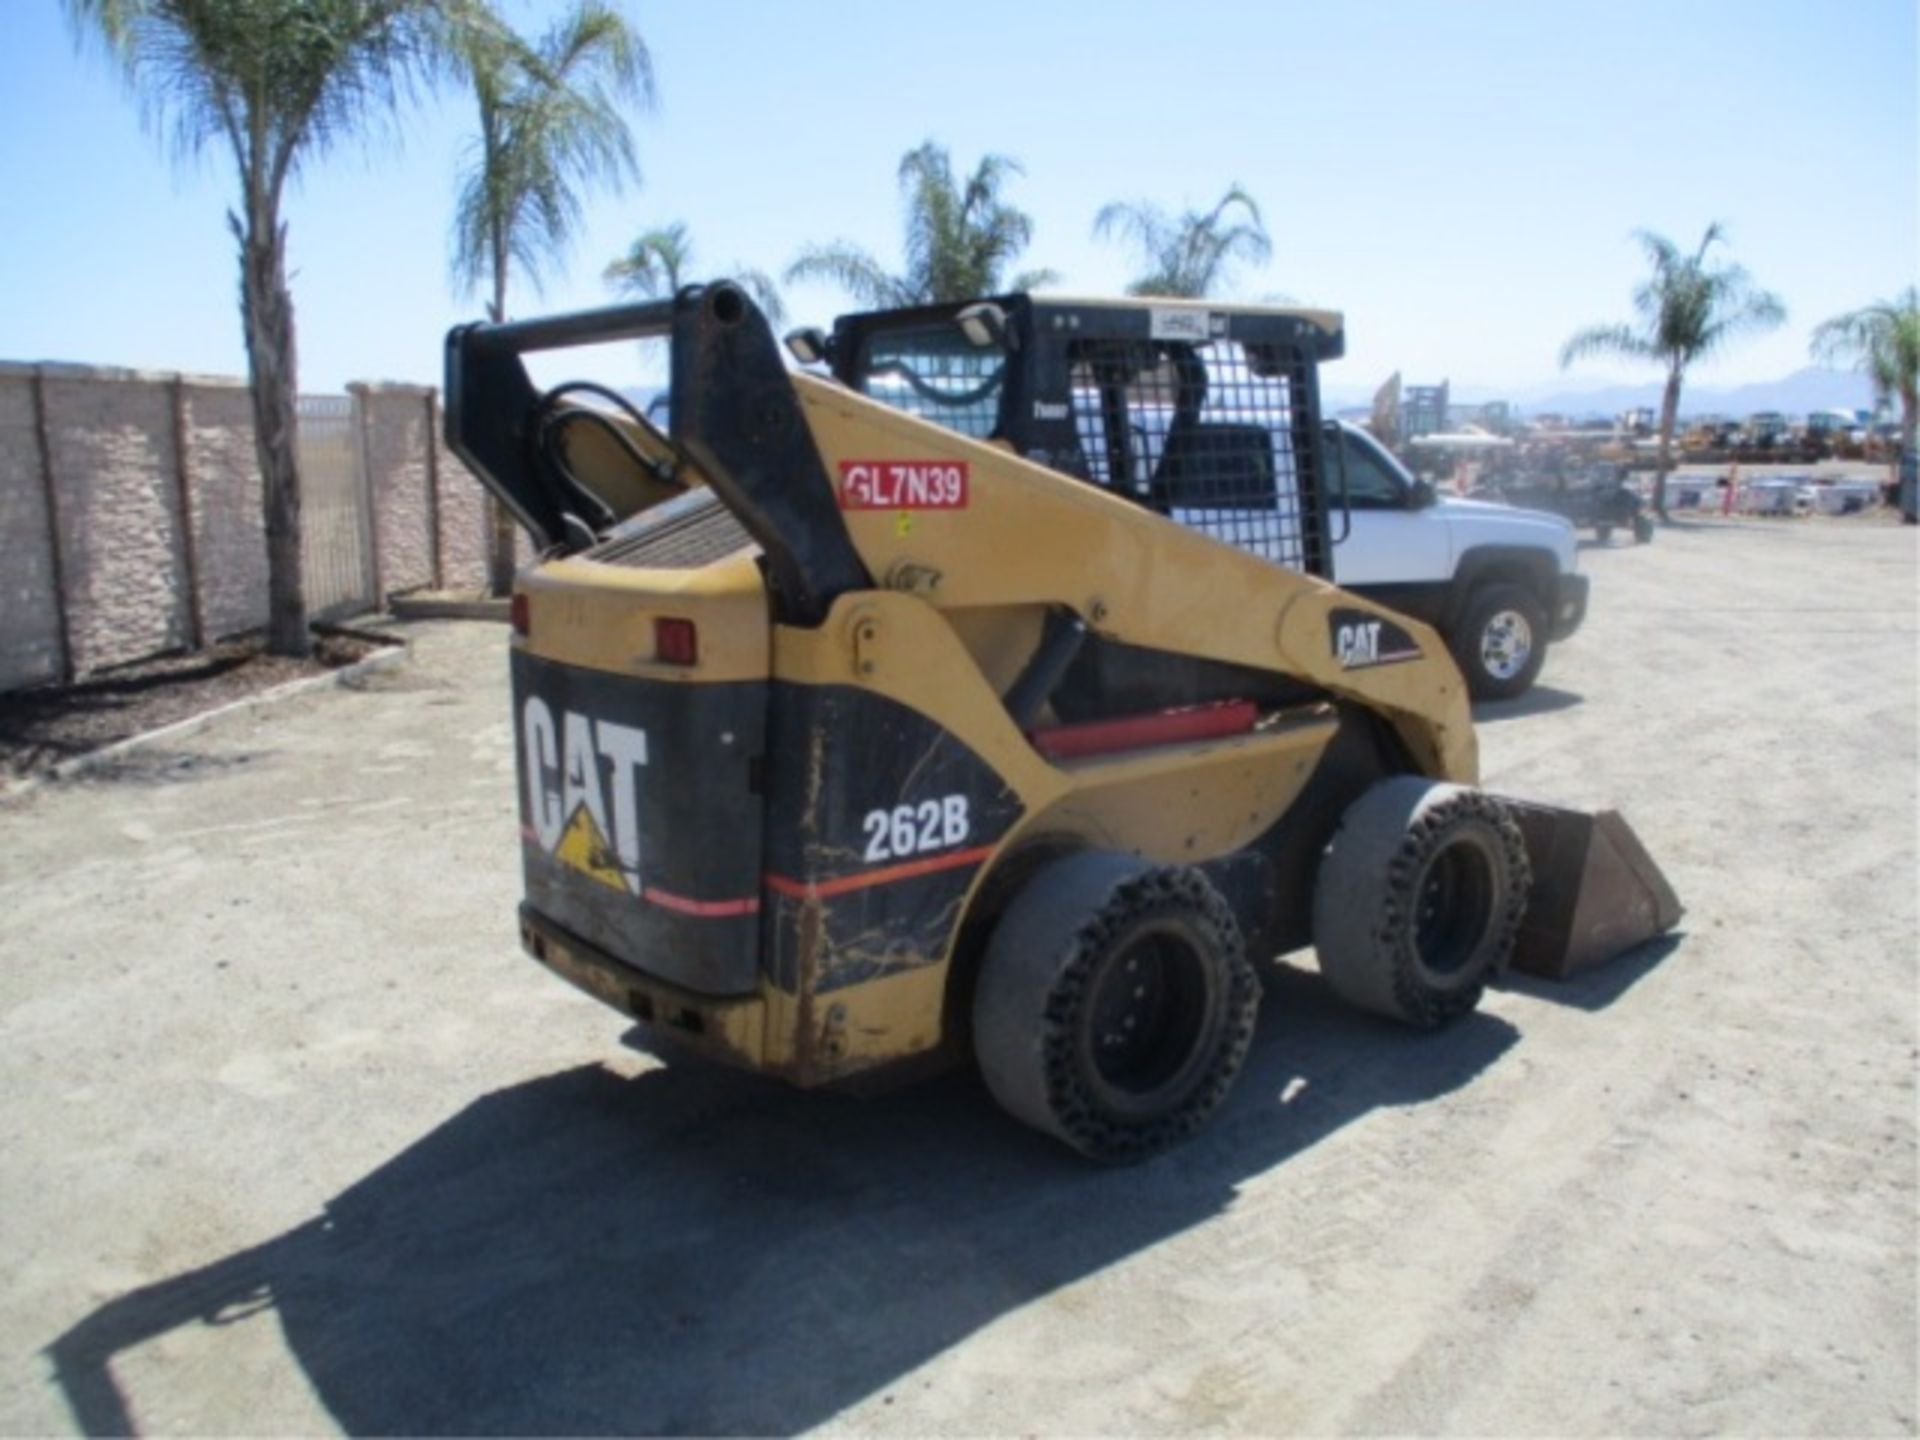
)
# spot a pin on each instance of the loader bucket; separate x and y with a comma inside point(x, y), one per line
point(1596, 891)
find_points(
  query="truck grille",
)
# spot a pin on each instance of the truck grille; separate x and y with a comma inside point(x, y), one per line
point(685, 533)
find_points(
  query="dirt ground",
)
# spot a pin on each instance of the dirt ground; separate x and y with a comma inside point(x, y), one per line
point(39, 728)
point(295, 1141)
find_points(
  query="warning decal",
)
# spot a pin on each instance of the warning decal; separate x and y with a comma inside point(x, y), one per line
point(584, 848)
point(903, 484)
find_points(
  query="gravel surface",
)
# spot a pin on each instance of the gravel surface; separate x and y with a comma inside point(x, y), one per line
point(295, 1141)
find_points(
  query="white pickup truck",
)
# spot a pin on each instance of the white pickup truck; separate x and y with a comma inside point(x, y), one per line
point(1499, 583)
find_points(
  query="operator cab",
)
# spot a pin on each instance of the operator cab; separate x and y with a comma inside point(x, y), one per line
point(1205, 414)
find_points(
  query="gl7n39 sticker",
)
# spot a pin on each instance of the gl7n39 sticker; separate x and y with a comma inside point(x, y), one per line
point(903, 484)
point(1360, 640)
point(584, 817)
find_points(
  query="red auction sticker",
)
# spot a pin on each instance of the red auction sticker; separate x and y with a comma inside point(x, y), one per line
point(903, 484)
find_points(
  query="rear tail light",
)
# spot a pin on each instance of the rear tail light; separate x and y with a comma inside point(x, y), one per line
point(675, 641)
point(522, 615)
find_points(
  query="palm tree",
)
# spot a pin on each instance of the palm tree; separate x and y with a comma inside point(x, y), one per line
point(655, 263)
point(1188, 255)
point(660, 261)
point(1689, 308)
point(277, 82)
point(960, 239)
point(1883, 341)
point(550, 125)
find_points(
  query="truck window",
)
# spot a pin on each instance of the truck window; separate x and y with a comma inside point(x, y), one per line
point(1370, 484)
point(933, 373)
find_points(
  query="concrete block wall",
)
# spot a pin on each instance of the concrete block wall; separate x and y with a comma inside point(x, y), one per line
point(111, 445)
point(463, 519)
point(130, 512)
point(31, 649)
point(430, 514)
point(223, 488)
point(396, 436)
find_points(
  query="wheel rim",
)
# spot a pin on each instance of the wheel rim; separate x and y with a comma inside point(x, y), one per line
point(1145, 1021)
point(1454, 909)
point(1506, 644)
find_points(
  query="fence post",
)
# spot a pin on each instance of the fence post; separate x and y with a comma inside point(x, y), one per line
point(363, 428)
point(433, 488)
point(56, 561)
point(189, 546)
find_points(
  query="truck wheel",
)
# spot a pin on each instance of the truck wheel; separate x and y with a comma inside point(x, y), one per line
point(1642, 529)
point(1501, 642)
point(1115, 1004)
point(1418, 899)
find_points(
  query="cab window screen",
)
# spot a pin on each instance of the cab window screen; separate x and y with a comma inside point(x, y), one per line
point(1210, 435)
point(935, 374)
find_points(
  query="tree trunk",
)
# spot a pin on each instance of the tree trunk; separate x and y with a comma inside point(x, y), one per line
point(1669, 411)
point(500, 556)
point(266, 310)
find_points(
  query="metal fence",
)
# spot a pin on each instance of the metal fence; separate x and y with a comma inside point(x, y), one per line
point(336, 510)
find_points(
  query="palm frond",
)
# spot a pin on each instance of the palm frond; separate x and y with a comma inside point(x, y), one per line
point(655, 264)
point(759, 284)
point(1041, 279)
point(853, 270)
point(1745, 312)
point(958, 237)
point(1881, 340)
point(1602, 340)
point(1143, 224)
point(1689, 307)
point(553, 123)
point(1191, 256)
point(280, 81)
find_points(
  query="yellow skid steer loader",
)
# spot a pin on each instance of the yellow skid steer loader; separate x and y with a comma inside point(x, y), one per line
point(984, 695)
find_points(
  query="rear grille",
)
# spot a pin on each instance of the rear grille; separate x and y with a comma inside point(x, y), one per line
point(685, 533)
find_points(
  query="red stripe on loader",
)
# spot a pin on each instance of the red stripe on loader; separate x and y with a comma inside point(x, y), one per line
point(842, 884)
point(1139, 732)
point(706, 909)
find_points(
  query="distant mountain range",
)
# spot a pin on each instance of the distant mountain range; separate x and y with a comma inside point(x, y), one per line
point(1804, 390)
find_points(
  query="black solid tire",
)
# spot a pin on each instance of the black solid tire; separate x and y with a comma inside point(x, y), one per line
point(1419, 896)
point(1058, 956)
point(1499, 604)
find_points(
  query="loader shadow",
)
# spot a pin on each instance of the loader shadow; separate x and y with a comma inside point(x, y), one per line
point(1598, 988)
point(691, 1251)
point(1539, 700)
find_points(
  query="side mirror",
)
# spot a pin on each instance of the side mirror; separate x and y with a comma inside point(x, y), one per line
point(1424, 495)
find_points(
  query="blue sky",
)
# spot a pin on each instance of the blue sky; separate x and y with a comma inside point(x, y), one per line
point(1461, 179)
